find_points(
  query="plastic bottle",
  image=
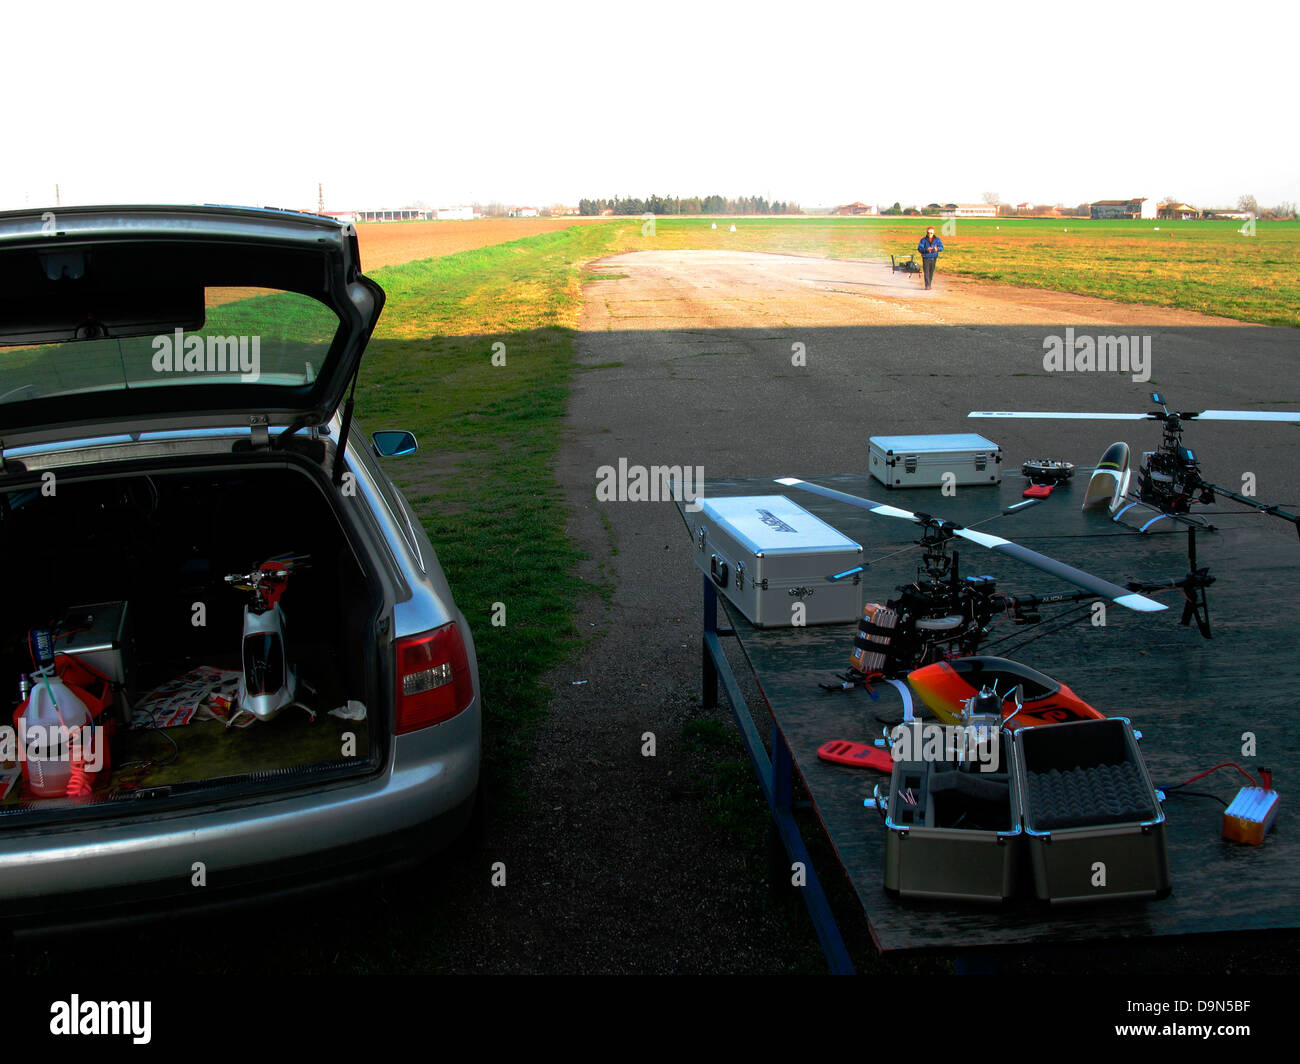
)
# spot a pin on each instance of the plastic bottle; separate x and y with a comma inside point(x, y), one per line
point(60, 715)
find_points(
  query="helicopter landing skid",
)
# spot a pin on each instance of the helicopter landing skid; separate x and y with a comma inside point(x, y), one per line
point(239, 711)
point(1143, 518)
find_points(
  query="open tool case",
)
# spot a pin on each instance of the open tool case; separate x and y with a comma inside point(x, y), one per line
point(957, 836)
point(1093, 825)
point(1070, 816)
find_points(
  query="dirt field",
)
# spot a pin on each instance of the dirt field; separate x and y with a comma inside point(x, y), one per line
point(392, 243)
point(737, 289)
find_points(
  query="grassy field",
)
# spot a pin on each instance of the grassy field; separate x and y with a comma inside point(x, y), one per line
point(1203, 266)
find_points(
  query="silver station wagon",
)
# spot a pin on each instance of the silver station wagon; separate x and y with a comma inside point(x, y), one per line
point(234, 664)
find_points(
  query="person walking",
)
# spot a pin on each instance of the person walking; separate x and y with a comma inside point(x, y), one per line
point(929, 247)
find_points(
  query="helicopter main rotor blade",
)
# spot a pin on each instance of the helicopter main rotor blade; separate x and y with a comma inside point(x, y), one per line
point(1121, 596)
point(883, 509)
point(1243, 415)
point(1049, 415)
point(1203, 415)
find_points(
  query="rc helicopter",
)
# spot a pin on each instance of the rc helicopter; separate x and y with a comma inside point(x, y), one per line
point(268, 681)
point(943, 614)
point(1169, 481)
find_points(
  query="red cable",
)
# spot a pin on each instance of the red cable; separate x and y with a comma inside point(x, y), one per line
point(79, 784)
point(1226, 764)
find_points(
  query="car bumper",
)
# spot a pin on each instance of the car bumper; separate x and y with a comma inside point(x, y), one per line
point(224, 855)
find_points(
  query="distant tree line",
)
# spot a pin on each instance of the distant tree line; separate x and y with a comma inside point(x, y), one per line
point(929, 209)
point(687, 205)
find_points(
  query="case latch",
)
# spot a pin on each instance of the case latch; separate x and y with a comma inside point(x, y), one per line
point(909, 463)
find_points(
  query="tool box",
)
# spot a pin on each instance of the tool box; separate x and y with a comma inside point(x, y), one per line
point(953, 831)
point(1093, 825)
point(99, 636)
point(766, 553)
point(923, 461)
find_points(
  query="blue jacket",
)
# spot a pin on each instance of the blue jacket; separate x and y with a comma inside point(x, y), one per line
point(928, 248)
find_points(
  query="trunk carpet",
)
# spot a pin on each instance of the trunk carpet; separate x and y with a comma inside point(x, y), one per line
point(210, 750)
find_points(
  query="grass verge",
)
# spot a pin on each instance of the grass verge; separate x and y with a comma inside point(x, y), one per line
point(474, 354)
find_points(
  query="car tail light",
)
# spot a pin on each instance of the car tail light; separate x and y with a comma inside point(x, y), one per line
point(433, 678)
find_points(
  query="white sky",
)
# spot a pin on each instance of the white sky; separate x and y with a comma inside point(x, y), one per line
point(816, 102)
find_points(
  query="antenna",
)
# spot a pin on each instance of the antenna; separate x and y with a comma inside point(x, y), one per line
point(320, 198)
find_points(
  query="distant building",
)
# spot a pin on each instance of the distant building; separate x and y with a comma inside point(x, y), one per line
point(1235, 213)
point(856, 209)
point(969, 210)
point(523, 212)
point(394, 214)
point(558, 211)
point(457, 213)
point(1129, 208)
point(342, 216)
point(1177, 212)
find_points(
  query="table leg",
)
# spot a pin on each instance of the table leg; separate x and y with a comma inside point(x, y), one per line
point(775, 777)
point(709, 671)
point(780, 799)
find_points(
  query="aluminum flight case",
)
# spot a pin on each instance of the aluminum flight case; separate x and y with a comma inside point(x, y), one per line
point(1093, 825)
point(766, 554)
point(923, 461)
point(959, 836)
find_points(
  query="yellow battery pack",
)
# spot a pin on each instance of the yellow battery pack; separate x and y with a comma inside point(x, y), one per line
point(1250, 815)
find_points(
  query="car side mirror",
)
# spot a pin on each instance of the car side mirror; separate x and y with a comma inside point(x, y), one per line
point(394, 443)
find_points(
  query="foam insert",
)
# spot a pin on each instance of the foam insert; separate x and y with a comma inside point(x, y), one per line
point(1082, 797)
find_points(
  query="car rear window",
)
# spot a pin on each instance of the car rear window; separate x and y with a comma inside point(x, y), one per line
point(247, 335)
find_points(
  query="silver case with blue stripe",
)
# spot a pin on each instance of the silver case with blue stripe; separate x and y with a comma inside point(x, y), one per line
point(922, 461)
point(766, 553)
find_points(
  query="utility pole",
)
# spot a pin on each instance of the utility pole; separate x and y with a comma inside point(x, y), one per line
point(56, 196)
point(320, 198)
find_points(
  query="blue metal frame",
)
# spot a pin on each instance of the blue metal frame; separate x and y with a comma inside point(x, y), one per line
point(775, 776)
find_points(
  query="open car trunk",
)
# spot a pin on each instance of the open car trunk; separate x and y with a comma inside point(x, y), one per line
point(129, 570)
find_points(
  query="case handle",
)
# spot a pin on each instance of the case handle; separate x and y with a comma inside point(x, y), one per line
point(718, 570)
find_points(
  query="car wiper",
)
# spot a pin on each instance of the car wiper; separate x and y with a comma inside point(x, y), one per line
point(14, 391)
